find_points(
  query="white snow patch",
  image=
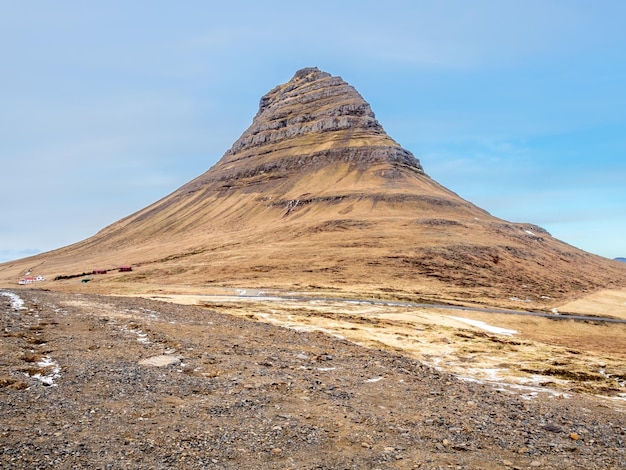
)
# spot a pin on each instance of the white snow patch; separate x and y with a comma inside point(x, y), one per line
point(484, 326)
point(621, 383)
point(530, 233)
point(54, 374)
point(16, 301)
point(525, 391)
point(375, 379)
point(326, 369)
point(142, 337)
point(46, 362)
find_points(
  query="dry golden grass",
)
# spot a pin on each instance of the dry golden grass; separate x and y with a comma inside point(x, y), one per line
point(549, 354)
point(604, 302)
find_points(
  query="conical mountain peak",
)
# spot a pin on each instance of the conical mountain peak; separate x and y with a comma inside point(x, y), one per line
point(313, 112)
point(315, 193)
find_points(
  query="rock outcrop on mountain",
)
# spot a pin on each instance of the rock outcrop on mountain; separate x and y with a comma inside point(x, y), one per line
point(316, 195)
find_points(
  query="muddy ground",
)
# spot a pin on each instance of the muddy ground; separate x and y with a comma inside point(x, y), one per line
point(110, 382)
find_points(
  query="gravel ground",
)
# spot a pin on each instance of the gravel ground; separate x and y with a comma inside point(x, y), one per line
point(110, 382)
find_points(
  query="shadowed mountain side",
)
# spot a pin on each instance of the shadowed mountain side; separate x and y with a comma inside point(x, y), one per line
point(314, 194)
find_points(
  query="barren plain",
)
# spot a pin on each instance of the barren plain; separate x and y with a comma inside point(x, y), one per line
point(93, 381)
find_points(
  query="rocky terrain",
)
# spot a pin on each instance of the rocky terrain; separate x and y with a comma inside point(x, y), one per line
point(108, 382)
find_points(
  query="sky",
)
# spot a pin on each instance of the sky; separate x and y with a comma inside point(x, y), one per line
point(106, 107)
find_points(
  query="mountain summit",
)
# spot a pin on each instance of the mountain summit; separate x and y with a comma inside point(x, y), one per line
point(316, 195)
point(315, 124)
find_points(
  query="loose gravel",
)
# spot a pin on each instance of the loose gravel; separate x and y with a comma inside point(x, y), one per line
point(108, 382)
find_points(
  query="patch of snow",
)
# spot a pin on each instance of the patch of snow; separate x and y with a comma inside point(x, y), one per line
point(530, 233)
point(375, 379)
point(141, 336)
point(621, 383)
point(46, 362)
point(529, 396)
point(16, 301)
point(45, 379)
point(54, 374)
point(485, 326)
point(530, 392)
point(470, 379)
point(326, 369)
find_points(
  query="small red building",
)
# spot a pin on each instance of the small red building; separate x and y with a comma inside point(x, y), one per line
point(99, 271)
point(124, 269)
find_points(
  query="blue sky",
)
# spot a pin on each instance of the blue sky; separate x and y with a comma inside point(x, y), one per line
point(519, 107)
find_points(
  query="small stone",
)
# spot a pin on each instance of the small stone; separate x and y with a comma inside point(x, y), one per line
point(535, 464)
point(507, 463)
point(446, 442)
point(552, 428)
point(573, 436)
point(366, 445)
point(160, 361)
point(276, 450)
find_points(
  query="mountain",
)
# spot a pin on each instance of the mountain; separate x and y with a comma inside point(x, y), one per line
point(316, 195)
point(621, 259)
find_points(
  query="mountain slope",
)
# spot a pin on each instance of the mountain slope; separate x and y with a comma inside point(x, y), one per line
point(315, 194)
